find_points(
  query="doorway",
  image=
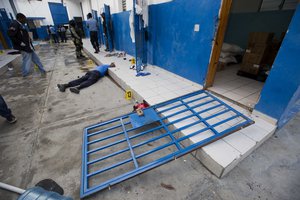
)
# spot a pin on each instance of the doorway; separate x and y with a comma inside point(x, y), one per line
point(247, 42)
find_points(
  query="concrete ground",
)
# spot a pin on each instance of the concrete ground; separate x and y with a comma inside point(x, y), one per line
point(46, 143)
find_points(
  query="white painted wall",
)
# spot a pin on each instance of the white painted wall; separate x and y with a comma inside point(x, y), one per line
point(73, 8)
point(150, 2)
point(86, 8)
point(116, 5)
point(96, 5)
point(5, 4)
point(41, 9)
point(35, 9)
point(129, 3)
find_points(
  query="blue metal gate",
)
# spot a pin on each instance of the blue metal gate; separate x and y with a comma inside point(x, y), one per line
point(126, 146)
point(59, 13)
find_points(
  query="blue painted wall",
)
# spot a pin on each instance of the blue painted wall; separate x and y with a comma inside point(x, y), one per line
point(121, 33)
point(174, 45)
point(241, 24)
point(291, 110)
point(86, 31)
point(4, 25)
point(284, 78)
point(42, 33)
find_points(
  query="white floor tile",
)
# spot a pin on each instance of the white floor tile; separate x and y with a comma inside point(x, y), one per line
point(255, 132)
point(232, 96)
point(221, 152)
point(240, 142)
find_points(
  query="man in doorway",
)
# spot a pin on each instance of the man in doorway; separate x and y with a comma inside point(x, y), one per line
point(22, 42)
point(87, 80)
point(92, 25)
point(6, 112)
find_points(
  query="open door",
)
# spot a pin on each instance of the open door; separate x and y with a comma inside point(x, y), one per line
point(218, 41)
point(139, 33)
point(109, 27)
point(246, 44)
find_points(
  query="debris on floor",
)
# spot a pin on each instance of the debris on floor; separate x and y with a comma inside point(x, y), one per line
point(121, 54)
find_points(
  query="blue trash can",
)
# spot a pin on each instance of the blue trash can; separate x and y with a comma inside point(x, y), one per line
point(38, 193)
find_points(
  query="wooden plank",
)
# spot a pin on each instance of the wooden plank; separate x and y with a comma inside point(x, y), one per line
point(218, 42)
point(3, 42)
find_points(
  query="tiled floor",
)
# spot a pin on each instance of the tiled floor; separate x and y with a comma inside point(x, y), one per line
point(220, 156)
point(244, 90)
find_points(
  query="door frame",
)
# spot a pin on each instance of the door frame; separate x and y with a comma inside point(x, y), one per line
point(218, 42)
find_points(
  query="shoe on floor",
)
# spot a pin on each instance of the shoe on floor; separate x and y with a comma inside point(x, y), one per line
point(97, 51)
point(43, 74)
point(11, 119)
point(61, 87)
point(74, 90)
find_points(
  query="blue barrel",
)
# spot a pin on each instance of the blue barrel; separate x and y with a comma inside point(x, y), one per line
point(38, 193)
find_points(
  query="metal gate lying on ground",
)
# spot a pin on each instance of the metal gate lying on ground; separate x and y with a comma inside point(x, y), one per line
point(126, 146)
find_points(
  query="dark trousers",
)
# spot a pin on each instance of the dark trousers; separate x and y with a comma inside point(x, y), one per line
point(4, 110)
point(87, 80)
point(94, 39)
point(79, 47)
point(63, 37)
point(54, 37)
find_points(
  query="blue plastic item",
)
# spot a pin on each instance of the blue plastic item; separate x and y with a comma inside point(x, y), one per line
point(38, 193)
point(143, 74)
point(116, 150)
point(149, 117)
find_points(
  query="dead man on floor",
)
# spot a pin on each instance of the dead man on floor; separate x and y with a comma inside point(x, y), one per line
point(87, 80)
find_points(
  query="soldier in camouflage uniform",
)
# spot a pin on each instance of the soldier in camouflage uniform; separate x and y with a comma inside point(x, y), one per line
point(77, 38)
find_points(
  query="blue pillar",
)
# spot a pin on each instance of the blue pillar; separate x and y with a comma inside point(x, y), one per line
point(284, 79)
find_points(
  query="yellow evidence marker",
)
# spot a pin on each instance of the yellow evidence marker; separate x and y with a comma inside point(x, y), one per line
point(128, 94)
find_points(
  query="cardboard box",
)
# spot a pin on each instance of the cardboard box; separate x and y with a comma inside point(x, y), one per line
point(259, 48)
point(253, 58)
point(250, 68)
point(260, 37)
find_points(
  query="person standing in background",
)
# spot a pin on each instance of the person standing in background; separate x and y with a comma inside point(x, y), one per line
point(63, 34)
point(59, 32)
point(53, 34)
point(92, 25)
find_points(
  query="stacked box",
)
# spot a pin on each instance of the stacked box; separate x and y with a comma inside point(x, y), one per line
point(256, 52)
